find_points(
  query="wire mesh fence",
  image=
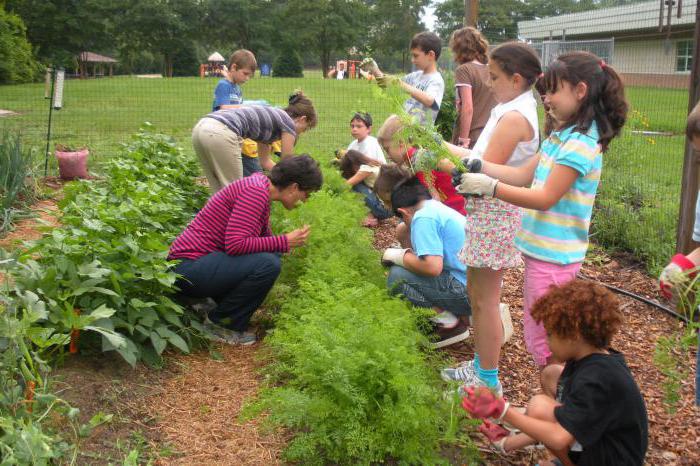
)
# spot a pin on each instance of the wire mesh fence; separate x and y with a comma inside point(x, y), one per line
point(637, 206)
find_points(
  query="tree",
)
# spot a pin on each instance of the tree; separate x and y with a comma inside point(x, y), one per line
point(392, 24)
point(17, 63)
point(61, 29)
point(324, 26)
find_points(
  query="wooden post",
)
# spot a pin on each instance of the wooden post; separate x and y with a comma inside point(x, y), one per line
point(471, 12)
point(691, 168)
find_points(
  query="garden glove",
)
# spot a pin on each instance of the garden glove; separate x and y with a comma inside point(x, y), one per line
point(471, 165)
point(674, 274)
point(369, 65)
point(477, 183)
point(482, 403)
point(394, 256)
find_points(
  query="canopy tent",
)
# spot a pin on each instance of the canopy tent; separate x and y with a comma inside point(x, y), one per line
point(216, 58)
point(97, 61)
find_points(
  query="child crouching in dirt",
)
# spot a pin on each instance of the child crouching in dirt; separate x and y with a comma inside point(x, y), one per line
point(360, 172)
point(592, 412)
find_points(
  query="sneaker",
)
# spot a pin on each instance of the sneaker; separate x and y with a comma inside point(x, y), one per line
point(445, 319)
point(228, 336)
point(507, 322)
point(450, 336)
point(466, 375)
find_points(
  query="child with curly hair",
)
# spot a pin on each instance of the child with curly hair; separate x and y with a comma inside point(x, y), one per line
point(592, 412)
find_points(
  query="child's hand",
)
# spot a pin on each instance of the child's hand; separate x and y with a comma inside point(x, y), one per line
point(369, 65)
point(477, 183)
point(481, 403)
point(674, 274)
point(386, 80)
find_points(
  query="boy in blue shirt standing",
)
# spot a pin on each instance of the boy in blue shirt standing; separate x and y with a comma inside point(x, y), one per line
point(430, 274)
point(241, 68)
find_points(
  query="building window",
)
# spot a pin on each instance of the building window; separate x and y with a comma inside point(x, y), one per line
point(684, 55)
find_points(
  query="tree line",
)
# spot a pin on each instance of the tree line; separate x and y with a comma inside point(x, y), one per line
point(174, 36)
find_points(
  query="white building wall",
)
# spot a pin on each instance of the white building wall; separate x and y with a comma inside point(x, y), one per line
point(645, 56)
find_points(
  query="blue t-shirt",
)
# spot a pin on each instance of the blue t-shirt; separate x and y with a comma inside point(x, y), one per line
point(438, 230)
point(226, 93)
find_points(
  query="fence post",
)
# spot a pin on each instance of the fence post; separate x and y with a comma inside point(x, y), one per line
point(691, 168)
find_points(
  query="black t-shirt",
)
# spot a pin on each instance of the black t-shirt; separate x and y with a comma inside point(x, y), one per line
point(603, 409)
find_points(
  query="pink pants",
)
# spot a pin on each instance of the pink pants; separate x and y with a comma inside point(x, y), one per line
point(539, 277)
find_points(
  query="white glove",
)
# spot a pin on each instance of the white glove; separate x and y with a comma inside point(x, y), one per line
point(394, 256)
point(477, 183)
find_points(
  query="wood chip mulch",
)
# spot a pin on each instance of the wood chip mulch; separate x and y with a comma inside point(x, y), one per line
point(197, 410)
point(674, 439)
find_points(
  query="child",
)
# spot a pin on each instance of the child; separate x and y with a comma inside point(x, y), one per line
point(218, 137)
point(361, 130)
point(510, 137)
point(683, 264)
point(596, 414)
point(473, 96)
point(429, 274)
point(360, 173)
point(241, 68)
point(401, 153)
point(425, 86)
point(586, 99)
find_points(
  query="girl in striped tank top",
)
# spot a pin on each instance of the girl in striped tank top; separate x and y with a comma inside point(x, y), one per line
point(585, 98)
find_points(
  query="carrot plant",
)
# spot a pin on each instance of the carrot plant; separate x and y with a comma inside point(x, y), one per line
point(350, 372)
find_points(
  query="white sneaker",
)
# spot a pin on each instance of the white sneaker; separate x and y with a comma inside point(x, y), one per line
point(445, 319)
point(507, 322)
point(467, 376)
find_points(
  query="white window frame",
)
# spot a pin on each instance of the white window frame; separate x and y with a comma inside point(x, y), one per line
point(687, 56)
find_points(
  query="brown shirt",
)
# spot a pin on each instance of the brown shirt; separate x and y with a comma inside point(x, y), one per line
point(476, 76)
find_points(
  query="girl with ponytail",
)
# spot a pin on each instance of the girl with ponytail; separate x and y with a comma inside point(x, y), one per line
point(218, 137)
point(585, 99)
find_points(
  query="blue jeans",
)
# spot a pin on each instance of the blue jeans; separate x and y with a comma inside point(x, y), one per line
point(250, 165)
point(238, 284)
point(372, 201)
point(444, 291)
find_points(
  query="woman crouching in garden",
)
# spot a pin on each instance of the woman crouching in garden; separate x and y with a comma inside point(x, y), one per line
point(228, 252)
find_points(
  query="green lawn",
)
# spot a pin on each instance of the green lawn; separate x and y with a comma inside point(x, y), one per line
point(641, 181)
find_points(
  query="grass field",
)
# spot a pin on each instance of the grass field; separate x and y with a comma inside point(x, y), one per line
point(638, 204)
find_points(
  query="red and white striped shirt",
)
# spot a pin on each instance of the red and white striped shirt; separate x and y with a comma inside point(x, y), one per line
point(236, 220)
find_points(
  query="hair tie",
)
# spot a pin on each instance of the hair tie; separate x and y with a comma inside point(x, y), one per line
point(294, 98)
point(602, 64)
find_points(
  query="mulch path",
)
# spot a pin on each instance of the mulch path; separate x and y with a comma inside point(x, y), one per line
point(674, 439)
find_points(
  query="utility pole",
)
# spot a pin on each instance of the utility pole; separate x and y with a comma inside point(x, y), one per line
point(471, 12)
point(691, 161)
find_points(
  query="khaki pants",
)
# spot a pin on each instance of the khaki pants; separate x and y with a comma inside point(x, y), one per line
point(219, 152)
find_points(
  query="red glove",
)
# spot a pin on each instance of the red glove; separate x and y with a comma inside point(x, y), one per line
point(673, 272)
point(492, 431)
point(481, 403)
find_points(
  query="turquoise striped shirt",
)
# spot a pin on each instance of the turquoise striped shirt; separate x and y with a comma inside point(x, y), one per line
point(560, 234)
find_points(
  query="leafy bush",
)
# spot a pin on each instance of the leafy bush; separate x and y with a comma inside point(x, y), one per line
point(105, 269)
point(448, 113)
point(15, 168)
point(17, 62)
point(288, 64)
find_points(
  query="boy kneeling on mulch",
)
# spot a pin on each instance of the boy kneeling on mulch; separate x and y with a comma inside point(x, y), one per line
point(592, 412)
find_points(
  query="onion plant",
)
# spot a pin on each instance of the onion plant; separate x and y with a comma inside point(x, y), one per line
point(15, 171)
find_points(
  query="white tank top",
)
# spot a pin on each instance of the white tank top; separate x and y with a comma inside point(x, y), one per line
point(526, 105)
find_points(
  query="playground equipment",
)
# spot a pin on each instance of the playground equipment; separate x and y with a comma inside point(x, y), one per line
point(215, 66)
